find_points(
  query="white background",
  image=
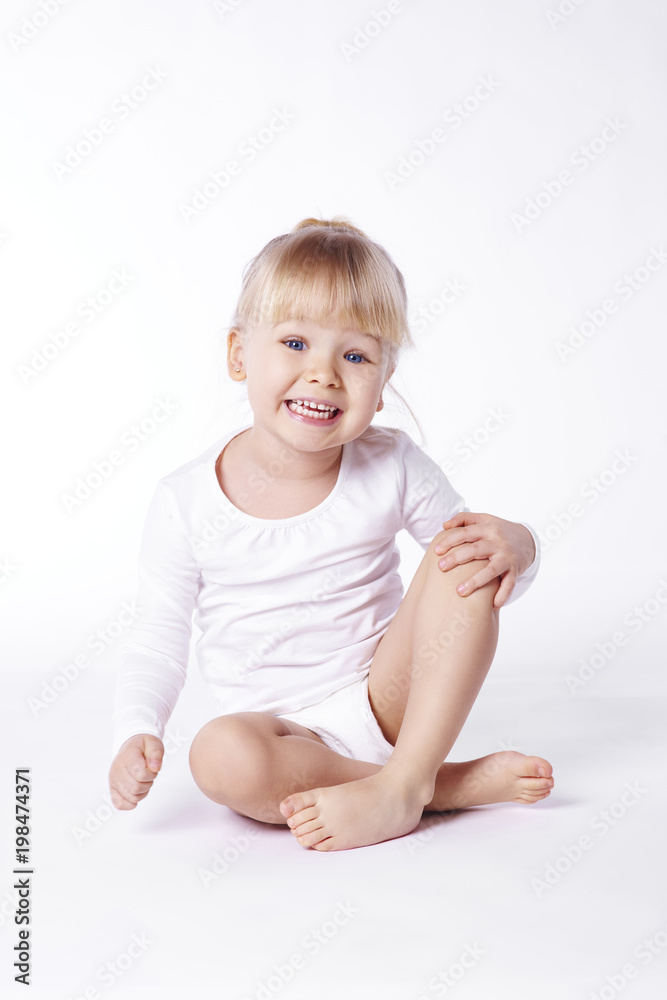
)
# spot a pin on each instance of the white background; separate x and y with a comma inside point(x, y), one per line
point(360, 99)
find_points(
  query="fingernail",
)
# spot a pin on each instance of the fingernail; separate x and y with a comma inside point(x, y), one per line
point(540, 771)
point(461, 589)
point(442, 564)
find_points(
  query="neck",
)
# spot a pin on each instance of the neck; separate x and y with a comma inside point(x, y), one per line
point(284, 464)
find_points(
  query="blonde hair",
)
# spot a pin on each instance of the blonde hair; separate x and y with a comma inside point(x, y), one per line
point(328, 272)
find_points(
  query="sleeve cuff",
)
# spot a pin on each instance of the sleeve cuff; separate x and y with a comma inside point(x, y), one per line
point(524, 581)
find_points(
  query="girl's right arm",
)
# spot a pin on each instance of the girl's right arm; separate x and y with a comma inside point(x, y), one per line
point(155, 654)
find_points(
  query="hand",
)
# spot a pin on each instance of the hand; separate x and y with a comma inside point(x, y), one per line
point(509, 547)
point(134, 769)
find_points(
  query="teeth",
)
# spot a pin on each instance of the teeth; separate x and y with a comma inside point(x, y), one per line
point(312, 406)
point(320, 411)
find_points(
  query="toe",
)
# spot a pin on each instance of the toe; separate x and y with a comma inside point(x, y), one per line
point(329, 844)
point(536, 784)
point(312, 839)
point(298, 801)
point(302, 816)
point(537, 767)
point(528, 798)
point(310, 827)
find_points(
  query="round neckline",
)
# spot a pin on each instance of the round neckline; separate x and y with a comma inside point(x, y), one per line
point(241, 515)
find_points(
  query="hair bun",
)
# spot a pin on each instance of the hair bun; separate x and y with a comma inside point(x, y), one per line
point(338, 222)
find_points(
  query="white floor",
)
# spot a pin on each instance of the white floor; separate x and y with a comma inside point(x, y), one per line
point(565, 899)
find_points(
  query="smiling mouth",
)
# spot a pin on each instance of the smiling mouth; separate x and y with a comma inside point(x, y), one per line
point(321, 411)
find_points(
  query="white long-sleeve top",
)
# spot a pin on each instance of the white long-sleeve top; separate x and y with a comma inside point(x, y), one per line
point(289, 610)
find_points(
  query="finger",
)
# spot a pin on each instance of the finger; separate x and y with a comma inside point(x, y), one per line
point(455, 521)
point(480, 579)
point(153, 753)
point(464, 554)
point(140, 795)
point(120, 802)
point(127, 782)
point(463, 517)
point(504, 590)
point(457, 536)
point(132, 788)
point(136, 765)
point(133, 791)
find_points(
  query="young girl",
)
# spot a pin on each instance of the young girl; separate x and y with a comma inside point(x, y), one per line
point(340, 698)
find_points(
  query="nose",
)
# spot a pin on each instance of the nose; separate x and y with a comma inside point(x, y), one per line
point(321, 368)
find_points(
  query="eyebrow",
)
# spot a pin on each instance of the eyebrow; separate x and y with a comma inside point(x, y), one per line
point(350, 333)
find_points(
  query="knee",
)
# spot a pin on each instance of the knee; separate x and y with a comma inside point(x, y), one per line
point(448, 580)
point(227, 754)
point(203, 745)
point(205, 752)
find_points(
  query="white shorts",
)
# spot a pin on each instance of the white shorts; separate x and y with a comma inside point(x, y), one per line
point(345, 721)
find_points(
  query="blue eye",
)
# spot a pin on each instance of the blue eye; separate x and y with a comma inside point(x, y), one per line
point(300, 343)
point(353, 354)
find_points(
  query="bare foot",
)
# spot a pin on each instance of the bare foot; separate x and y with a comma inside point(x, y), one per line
point(354, 814)
point(377, 808)
point(506, 776)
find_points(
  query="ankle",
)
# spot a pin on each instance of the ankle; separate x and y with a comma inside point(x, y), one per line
point(415, 785)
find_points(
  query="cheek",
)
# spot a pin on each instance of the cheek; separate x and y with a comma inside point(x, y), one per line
point(369, 382)
point(266, 368)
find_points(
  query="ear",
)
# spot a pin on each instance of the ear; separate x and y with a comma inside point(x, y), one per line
point(235, 365)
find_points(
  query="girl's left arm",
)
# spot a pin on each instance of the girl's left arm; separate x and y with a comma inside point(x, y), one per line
point(511, 548)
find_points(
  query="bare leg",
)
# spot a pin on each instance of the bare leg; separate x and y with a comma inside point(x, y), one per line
point(444, 644)
point(251, 761)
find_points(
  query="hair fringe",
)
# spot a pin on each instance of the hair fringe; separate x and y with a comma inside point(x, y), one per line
point(328, 272)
